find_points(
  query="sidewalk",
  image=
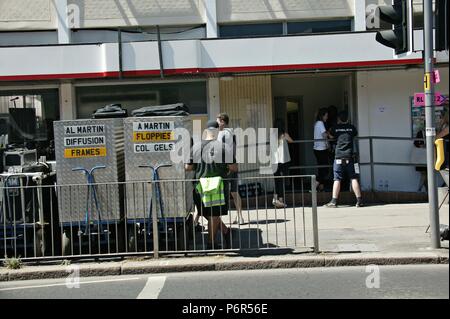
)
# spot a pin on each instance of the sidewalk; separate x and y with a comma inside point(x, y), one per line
point(382, 235)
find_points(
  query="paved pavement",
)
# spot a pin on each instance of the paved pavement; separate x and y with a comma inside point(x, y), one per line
point(382, 235)
point(378, 228)
point(410, 281)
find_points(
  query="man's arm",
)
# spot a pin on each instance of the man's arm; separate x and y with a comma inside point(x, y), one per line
point(233, 168)
point(442, 133)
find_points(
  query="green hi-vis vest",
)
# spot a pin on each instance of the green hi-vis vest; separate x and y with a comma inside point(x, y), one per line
point(211, 191)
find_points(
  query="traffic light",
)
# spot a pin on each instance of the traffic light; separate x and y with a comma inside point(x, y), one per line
point(399, 15)
point(441, 25)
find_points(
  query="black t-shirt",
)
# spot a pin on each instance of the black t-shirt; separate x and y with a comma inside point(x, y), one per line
point(211, 159)
point(344, 134)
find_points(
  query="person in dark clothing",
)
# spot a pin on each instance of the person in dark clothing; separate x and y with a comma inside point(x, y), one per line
point(344, 164)
point(210, 160)
point(421, 147)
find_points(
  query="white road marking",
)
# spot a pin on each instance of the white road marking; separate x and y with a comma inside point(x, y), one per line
point(152, 288)
point(63, 284)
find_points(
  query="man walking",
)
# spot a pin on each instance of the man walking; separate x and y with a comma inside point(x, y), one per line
point(226, 136)
point(209, 161)
point(343, 164)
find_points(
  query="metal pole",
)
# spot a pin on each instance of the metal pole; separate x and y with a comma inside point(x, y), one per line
point(119, 40)
point(160, 54)
point(314, 214)
point(429, 123)
point(372, 173)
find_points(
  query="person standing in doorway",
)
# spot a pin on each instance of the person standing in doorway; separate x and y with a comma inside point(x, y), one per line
point(321, 147)
point(227, 136)
point(343, 165)
point(282, 159)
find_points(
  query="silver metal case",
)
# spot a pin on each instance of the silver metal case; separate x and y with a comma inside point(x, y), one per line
point(108, 142)
point(176, 195)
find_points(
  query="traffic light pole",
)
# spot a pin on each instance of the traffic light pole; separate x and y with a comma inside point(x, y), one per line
point(430, 123)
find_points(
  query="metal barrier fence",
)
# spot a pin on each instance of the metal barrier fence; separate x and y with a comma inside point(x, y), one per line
point(366, 153)
point(34, 227)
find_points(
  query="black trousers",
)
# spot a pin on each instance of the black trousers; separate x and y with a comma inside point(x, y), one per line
point(283, 170)
point(322, 159)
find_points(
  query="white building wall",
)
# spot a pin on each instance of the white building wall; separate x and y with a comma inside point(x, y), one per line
point(384, 110)
point(27, 15)
point(231, 11)
point(104, 13)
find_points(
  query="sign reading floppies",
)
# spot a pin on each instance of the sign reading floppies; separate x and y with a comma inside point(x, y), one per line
point(153, 136)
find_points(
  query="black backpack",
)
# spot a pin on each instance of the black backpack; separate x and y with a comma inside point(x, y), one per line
point(110, 111)
point(178, 109)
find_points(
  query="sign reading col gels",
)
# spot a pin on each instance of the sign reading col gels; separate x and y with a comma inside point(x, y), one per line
point(157, 136)
point(153, 147)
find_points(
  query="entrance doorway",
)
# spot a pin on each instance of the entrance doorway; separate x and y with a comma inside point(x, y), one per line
point(297, 98)
point(290, 110)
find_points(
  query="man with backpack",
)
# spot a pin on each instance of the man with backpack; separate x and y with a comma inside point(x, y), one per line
point(209, 161)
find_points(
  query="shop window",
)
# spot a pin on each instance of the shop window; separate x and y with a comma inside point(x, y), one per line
point(28, 38)
point(26, 120)
point(319, 26)
point(138, 34)
point(135, 96)
point(249, 30)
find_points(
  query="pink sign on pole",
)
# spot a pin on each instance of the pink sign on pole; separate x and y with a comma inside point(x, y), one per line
point(419, 99)
point(437, 76)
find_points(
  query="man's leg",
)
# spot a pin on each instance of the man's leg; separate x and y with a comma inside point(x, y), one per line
point(338, 174)
point(238, 204)
point(213, 227)
point(357, 189)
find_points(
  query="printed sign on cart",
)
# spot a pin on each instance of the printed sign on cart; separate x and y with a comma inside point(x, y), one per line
point(86, 143)
point(151, 137)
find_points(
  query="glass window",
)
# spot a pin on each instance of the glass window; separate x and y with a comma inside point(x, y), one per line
point(28, 38)
point(26, 119)
point(319, 26)
point(247, 30)
point(138, 34)
point(135, 96)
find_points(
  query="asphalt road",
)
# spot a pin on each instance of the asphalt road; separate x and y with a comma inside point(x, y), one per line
point(412, 281)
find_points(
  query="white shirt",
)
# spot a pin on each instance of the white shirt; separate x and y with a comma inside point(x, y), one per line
point(280, 154)
point(226, 136)
point(319, 129)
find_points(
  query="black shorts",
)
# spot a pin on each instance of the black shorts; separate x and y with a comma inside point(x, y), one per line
point(343, 168)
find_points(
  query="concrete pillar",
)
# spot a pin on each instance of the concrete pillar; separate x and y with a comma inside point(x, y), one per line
point(67, 102)
point(362, 104)
point(213, 98)
point(211, 18)
point(63, 21)
point(359, 23)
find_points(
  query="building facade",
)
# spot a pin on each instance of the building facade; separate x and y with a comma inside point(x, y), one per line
point(256, 60)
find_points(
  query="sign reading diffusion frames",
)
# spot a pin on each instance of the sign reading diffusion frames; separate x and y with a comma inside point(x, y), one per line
point(85, 144)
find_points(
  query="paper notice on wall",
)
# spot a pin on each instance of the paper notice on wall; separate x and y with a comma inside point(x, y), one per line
point(382, 109)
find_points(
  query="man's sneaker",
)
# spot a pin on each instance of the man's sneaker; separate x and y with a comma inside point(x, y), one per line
point(278, 204)
point(330, 205)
